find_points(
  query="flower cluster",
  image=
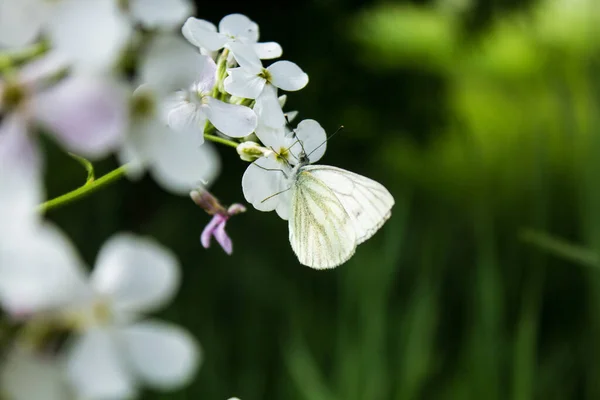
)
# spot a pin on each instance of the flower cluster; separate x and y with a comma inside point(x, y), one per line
point(116, 77)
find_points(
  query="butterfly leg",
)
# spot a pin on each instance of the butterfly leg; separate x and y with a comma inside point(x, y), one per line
point(273, 195)
point(271, 169)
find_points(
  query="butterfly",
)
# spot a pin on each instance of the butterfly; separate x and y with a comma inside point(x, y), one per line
point(332, 212)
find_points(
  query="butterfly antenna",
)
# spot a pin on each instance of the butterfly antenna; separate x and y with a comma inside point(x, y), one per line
point(326, 140)
point(289, 125)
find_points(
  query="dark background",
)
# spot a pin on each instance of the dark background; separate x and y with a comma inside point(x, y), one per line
point(482, 120)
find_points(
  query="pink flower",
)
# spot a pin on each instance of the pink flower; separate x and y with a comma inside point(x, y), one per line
point(216, 226)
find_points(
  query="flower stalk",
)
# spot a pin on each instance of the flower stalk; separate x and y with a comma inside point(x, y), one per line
point(92, 185)
point(85, 190)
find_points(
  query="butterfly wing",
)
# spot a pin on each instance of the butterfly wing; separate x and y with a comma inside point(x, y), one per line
point(368, 203)
point(322, 233)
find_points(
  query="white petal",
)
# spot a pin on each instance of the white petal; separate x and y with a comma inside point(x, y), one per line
point(207, 75)
point(129, 154)
point(138, 274)
point(203, 34)
point(21, 367)
point(314, 140)
point(287, 76)
point(91, 33)
point(164, 356)
point(282, 100)
point(180, 162)
point(87, 114)
point(21, 21)
point(170, 63)
point(20, 177)
point(239, 26)
point(267, 108)
point(40, 272)
point(262, 179)
point(291, 115)
point(181, 114)
point(284, 207)
point(241, 83)
point(268, 50)
point(96, 367)
point(137, 147)
point(35, 74)
point(272, 137)
point(231, 119)
point(246, 56)
point(160, 13)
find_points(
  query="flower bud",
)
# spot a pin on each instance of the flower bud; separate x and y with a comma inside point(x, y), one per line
point(250, 151)
point(236, 208)
point(208, 202)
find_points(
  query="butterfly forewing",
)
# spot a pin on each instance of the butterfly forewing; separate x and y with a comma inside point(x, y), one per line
point(322, 234)
point(368, 203)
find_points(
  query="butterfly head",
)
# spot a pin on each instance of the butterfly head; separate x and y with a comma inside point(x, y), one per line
point(303, 158)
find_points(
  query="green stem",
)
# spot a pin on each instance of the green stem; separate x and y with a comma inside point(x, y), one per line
point(220, 140)
point(84, 190)
point(89, 167)
point(93, 185)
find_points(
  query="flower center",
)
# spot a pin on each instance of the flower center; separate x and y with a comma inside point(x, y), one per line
point(266, 75)
point(142, 106)
point(197, 96)
point(97, 313)
point(13, 96)
point(101, 312)
point(283, 155)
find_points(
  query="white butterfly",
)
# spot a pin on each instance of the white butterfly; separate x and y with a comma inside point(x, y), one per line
point(332, 212)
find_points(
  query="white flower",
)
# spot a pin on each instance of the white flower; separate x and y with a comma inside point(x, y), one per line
point(90, 33)
point(177, 160)
point(114, 350)
point(270, 175)
point(249, 80)
point(85, 113)
point(189, 109)
point(252, 81)
point(236, 32)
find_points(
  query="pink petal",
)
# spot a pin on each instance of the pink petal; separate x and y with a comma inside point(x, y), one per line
point(223, 239)
point(88, 115)
point(210, 229)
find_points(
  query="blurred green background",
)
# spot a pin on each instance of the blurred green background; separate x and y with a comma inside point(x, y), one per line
point(482, 118)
